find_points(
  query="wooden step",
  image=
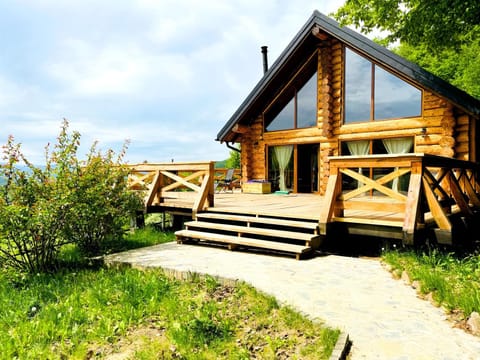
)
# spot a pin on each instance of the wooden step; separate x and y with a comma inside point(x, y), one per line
point(299, 250)
point(240, 230)
point(313, 226)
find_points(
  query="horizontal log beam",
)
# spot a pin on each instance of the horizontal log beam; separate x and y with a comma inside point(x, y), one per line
point(240, 129)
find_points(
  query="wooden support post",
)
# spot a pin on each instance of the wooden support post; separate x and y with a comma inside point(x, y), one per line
point(177, 222)
point(412, 206)
point(139, 219)
point(334, 189)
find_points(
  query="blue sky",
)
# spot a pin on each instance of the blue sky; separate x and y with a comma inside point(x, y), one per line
point(166, 75)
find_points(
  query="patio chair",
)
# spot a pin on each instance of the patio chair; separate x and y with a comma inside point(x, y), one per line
point(227, 182)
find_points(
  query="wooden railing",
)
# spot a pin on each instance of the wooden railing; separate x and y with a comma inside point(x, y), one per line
point(175, 184)
point(360, 191)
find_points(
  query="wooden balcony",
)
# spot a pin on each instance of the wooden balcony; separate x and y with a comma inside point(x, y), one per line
point(438, 192)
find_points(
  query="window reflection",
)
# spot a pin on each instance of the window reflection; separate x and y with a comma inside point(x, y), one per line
point(392, 97)
point(358, 85)
point(307, 104)
point(285, 118)
point(303, 101)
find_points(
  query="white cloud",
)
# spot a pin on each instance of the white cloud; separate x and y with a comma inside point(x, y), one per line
point(166, 74)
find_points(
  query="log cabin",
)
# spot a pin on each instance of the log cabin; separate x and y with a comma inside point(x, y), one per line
point(335, 92)
point(356, 139)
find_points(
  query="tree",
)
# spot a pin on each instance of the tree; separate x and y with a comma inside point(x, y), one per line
point(442, 36)
point(459, 67)
point(234, 161)
point(438, 24)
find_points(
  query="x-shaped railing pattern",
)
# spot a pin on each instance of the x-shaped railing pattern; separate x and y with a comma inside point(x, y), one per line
point(437, 187)
point(172, 180)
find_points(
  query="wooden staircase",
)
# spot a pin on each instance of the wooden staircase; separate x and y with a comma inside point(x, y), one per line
point(237, 230)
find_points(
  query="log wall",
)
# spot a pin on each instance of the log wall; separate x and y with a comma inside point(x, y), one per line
point(253, 152)
point(462, 138)
point(330, 69)
point(440, 130)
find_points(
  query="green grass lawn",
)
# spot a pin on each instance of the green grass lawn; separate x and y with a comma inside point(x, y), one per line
point(92, 312)
point(453, 281)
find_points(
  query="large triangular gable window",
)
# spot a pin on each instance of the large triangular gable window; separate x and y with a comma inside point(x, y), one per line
point(371, 93)
point(296, 106)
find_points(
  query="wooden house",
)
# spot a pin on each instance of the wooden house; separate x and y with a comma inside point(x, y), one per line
point(368, 143)
point(334, 92)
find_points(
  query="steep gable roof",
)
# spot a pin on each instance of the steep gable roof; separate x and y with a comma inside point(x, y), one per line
point(305, 42)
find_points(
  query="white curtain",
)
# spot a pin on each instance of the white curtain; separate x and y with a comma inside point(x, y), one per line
point(283, 155)
point(359, 147)
point(398, 146)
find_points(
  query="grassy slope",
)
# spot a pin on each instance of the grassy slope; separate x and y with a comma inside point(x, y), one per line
point(87, 313)
point(454, 282)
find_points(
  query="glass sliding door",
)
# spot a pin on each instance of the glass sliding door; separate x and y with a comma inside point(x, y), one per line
point(307, 168)
point(280, 167)
point(294, 168)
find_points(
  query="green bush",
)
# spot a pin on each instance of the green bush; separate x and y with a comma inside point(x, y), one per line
point(68, 200)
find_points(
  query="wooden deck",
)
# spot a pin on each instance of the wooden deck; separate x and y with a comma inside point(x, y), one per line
point(438, 197)
point(294, 206)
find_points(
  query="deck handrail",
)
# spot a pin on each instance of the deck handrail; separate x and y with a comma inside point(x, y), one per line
point(437, 187)
point(159, 179)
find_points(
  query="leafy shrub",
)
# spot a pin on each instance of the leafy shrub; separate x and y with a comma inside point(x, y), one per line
point(66, 201)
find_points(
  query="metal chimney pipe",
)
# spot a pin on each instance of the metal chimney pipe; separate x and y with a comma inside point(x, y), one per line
point(265, 58)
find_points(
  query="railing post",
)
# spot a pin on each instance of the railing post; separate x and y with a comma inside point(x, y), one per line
point(334, 188)
point(211, 186)
point(413, 214)
point(206, 191)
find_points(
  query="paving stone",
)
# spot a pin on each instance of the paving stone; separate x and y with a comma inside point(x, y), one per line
point(383, 317)
point(474, 322)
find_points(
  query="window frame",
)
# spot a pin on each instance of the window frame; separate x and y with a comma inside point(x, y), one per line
point(373, 65)
point(290, 92)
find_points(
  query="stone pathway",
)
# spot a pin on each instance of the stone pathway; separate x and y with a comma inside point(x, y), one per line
point(383, 316)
